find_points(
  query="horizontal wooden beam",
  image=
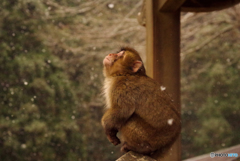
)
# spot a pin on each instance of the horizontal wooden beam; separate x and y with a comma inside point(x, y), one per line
point(207, 6)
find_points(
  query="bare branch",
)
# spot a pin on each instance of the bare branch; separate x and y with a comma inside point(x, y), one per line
point(116, 28)
point(197, 48)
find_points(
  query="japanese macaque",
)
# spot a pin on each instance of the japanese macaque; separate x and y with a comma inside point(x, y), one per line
point(136, 106)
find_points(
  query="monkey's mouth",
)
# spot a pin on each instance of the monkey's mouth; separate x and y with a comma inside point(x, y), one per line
point(107, 61)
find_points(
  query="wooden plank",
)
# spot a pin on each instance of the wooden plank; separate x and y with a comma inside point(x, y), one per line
point(163, 56)
point(206, 157)
point(169, 5)
point(132, 156)
point(207, 6)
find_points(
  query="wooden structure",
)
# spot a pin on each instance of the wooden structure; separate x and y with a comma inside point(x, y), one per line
point(131, 156)
point(206, 157)
point(162, 21)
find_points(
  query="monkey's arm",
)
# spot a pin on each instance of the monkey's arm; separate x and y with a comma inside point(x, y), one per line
point(113, 119)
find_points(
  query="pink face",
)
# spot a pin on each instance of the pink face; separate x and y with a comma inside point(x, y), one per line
point(111, 58)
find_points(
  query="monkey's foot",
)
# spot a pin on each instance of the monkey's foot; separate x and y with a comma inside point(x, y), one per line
point(125, 148)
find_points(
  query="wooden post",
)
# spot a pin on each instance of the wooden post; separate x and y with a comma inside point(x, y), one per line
point(163, 56)
point(132, 156)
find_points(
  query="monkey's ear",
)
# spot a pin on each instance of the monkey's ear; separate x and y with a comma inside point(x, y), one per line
point(136, 66)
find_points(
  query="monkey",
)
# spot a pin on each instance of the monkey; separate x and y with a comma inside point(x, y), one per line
point(137, 107)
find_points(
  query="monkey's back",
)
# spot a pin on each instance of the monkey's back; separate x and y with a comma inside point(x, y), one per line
point(155, 116)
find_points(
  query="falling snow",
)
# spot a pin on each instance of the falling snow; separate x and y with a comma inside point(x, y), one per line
point(111, 5)
point(163, 88)
point(170, 121)
point(23, 146)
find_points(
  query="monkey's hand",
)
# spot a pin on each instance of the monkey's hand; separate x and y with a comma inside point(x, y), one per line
point(111, 135)
point(114, 140)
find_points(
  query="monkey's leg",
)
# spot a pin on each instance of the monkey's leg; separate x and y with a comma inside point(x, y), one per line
point(135, 137)
point(141, 148)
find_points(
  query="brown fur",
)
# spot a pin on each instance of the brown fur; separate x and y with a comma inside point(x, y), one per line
point(137, 107)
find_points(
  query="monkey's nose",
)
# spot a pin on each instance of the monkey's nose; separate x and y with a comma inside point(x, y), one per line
point(112, 55)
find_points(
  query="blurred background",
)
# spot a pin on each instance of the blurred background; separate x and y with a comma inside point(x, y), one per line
point(51, 55)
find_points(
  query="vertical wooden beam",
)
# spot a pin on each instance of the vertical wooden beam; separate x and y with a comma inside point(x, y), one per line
point(163, 56)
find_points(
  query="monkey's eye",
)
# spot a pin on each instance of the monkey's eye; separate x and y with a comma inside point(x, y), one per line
point(122, 49)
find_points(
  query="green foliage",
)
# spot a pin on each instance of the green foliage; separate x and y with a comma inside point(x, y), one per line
point(210, 96)
point(51, 72)
point(37, 98)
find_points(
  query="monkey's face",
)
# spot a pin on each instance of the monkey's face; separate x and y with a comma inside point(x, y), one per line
point(110, 59)
point(125, 62)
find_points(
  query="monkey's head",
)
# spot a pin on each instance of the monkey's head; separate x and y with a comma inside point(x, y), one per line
point(126, 62)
